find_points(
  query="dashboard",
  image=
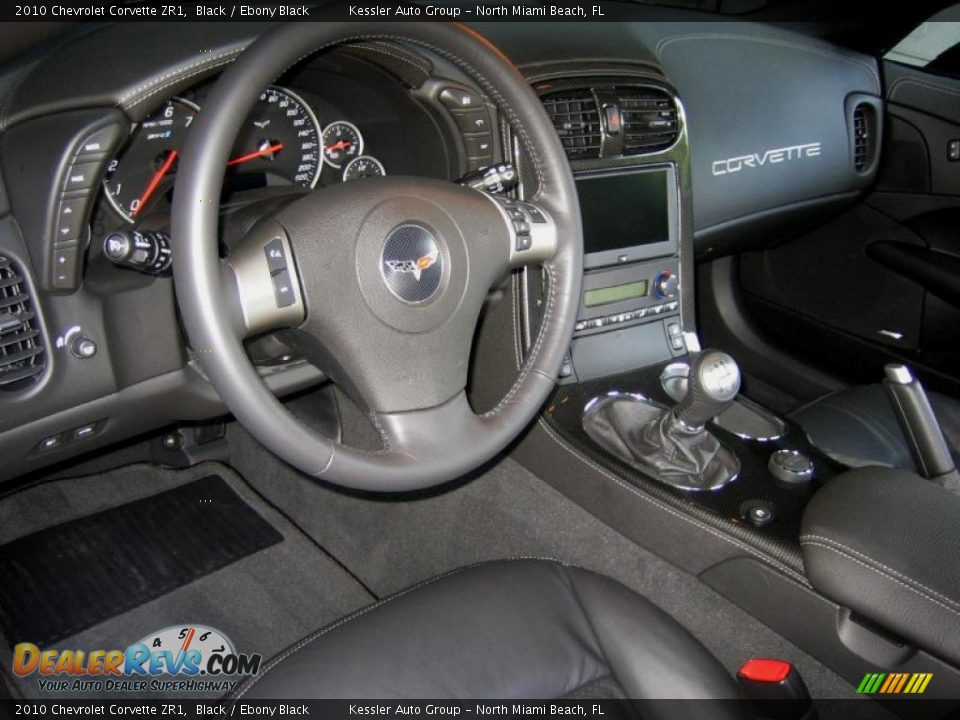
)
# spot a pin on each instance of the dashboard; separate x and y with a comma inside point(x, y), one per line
point(89, 156)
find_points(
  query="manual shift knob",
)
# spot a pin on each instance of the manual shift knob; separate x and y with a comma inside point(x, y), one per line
point(712, 385)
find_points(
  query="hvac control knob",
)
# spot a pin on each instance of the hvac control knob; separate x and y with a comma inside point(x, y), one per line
point(666, 285)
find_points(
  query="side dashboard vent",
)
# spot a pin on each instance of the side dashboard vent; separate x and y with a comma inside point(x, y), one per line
point(21, 350)
point(864, 136)
point(576, 118)
point(649, 118)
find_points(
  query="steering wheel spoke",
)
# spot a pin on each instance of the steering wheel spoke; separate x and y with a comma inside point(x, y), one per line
point(429, 432)
point(531, 229)
point(263, 272)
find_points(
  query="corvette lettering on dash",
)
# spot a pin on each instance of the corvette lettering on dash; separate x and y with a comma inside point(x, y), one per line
point(768, 157)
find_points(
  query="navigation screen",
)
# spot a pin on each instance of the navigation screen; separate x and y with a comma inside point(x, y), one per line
point(624, 210)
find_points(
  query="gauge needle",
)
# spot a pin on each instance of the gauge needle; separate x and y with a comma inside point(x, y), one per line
point(339, 146)
point(269, 150)
point(154, 181)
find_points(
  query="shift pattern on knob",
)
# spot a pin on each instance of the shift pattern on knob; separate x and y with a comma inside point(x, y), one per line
point(713, 383)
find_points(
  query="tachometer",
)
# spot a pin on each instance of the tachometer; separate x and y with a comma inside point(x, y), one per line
point(281, 138)
point(144, 170)
point(342, 142)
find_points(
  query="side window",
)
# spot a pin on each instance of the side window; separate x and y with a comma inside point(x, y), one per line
point(933, 45)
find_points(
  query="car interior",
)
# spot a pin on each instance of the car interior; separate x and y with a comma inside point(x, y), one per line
point(487, 360)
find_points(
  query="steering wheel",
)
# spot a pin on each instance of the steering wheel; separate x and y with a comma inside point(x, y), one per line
point(381, 282)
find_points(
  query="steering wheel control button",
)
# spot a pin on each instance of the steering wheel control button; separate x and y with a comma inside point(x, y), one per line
point(283, 288)
point(455, 98)
point(276, 258)
point(472, 122)
point(758, 513)
point(791, 466)
point(479, 146)
point(411, 264)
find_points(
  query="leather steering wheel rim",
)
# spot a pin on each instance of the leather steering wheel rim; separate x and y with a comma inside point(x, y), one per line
point(425, 446)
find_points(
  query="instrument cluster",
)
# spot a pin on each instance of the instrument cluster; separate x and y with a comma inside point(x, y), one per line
point(282, 142)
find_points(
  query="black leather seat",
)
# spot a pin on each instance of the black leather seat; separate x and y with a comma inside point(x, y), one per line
point(858, 427)
point(507, 630)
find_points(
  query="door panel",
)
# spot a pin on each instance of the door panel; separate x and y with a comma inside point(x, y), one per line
point(882, 281)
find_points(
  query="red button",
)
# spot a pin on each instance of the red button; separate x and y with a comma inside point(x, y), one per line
point(765, 670)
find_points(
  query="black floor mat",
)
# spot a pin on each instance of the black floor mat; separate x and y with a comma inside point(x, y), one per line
point(67, 578)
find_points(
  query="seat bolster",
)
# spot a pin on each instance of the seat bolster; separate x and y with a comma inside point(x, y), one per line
point(650, 654)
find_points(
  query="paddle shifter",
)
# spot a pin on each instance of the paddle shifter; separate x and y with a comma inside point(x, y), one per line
point(673, 445)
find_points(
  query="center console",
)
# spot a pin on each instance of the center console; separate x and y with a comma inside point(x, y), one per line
point(625, 390)
point(630, 304)
point(645, 429)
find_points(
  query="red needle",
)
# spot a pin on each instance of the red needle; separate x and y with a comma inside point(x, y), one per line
point(256, 153)
point(154, 181)
point(340, 145)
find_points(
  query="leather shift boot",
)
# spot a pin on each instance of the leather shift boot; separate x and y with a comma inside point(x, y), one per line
point(648, 438)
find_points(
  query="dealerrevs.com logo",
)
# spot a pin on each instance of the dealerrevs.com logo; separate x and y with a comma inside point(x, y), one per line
point(179, 658)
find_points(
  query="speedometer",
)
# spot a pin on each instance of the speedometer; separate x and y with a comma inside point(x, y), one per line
point(281, 139)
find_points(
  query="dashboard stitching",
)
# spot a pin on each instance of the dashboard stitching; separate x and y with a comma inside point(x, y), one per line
point(155, 85)
point(921, 83)
point(666, 508)
point(390, 51)
point(824, 541)
point(872, 71)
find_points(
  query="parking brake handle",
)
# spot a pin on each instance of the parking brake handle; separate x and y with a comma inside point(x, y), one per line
point(920, 427)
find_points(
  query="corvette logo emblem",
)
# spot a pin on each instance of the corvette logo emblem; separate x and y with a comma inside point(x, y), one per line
point(412, 264)
point(414, 267)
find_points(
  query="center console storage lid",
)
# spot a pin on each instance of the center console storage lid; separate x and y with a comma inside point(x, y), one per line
point(886, 544)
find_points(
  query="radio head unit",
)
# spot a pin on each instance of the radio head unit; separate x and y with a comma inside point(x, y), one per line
point(628, 215)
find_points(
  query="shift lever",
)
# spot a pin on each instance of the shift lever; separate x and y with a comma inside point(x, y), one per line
point(713, 383)
point(673, 445)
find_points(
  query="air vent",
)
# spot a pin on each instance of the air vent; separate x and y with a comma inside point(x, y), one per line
point(649, 118)
point(864, 136)
point(607, 117)
point(21, 351)
point(576, 117)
